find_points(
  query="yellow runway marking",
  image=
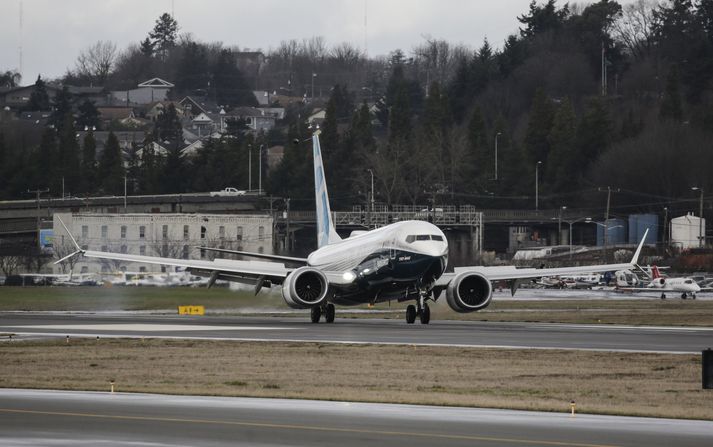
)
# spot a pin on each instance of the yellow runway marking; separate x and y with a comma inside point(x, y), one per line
point(308, 427)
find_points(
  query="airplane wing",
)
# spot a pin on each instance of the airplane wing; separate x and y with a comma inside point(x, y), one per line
point(513, 273)
point(258, 273)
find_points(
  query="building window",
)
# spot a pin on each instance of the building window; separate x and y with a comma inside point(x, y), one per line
point(261, 233)
point(142, 232)
point(203, 232)
point(85, 269)
point(142, 250)
point(105, 231)
point(104, 248)
point(186, 233)
point(123, 231)
point(221, 232)
point(142, 269)
point(163, 269)
point(105, 268)
point(124, 249)
point(164, 232)
point(85, 231)
point(123, 268)
point(239, 236)
point(185, 252)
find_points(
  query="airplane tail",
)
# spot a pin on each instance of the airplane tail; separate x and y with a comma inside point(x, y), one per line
point(655, 272)
point(326, 233)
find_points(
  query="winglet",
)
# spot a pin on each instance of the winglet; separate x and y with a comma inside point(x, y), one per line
point(635, 259)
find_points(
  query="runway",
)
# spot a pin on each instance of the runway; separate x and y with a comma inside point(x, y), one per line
point(678, 340)
point(60, 418)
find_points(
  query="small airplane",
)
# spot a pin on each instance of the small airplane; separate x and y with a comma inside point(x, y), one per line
point(687, 287)
point(403, 261)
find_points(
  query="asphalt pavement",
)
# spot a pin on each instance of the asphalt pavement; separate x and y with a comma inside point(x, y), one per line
point(61, 418)
point(681, 340)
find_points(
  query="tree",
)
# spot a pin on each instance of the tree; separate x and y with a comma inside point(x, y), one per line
point(95, 62)
point(229, 85)
point(10, 79)
point(169, 132)
point(146, 47)
point(88, 116)
point(594, 131)
point(564, 156)
point(163, 36)
point(192, 70)
point(111, 167)
point(39, 99)
point(62, 109)
point(537, 145)
point(88, 167)
point(45, 160)
point(543, 18)
point(68, 160)
point(671, 103)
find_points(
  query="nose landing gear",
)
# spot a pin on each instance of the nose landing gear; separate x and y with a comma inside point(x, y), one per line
point(422, 311)
point(328, 310)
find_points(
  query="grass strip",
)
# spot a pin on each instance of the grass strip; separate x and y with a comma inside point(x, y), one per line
point(641, 384)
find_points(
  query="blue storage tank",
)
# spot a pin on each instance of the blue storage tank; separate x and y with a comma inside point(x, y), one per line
point(617, 232)
point(638, 223)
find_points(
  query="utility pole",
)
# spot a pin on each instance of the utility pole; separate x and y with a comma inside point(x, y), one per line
point(289, 241)
point(250, 167)
point(701, 236)
point(371, 204)
point(665, 226)
point(259, 181)
point(37, 192)
point(606, 219)
point(537, 185)
point(559, 226)
point(496, 154)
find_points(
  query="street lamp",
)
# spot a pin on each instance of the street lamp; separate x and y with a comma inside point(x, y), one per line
point(537, 185)
point(259, 184)
point(496, 154)
point(559, 226)
point(606, 227)
point(250, 167)
point(314, 75)
point(700, 218)
point(372, 189)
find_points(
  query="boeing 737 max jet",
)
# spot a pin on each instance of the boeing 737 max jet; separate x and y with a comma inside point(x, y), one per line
point(403, 261)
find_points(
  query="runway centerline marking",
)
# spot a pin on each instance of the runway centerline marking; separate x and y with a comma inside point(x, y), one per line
point(145, 327)
point(307, 428)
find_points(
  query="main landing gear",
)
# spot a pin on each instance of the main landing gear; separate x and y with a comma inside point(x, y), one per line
point(317, 311)
point(423, 312)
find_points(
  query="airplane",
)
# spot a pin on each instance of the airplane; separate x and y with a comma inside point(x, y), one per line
point(685, 286)
point(403, 261)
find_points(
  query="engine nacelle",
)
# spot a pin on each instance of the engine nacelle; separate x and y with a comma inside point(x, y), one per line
point(468, 292)
point(659, 283)
point(304, 288)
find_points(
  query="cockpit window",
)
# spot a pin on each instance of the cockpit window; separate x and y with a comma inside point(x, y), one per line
point(436, 237)
point(410, 238)
point(688, 281)
point(423, 237)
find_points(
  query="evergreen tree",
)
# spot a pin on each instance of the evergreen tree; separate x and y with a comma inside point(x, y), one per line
point(563, 172)
point(39, 99)
point(671, 104)
point(192, 72)
point(88, 166)
point(169, 132)
point(146, 47)
point(478, 161)
point(163, 36)
point(229, 85)
point(69, 163)
point(537, 146)
point(45, 161)
point(594, 131)
point(111, 167)
point(4, 162)
point(543, 18)
point(151, 167)
point(62, 110)
point(88, 117)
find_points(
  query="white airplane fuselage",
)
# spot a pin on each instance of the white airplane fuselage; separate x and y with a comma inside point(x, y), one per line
point(388, 262)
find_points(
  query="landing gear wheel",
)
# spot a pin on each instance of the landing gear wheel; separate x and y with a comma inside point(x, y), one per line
point(663, 296)
point(683, 296)
point(693, 296)
point(329, 313)
point(425, 314)
point(410, 314)
point(315, 314)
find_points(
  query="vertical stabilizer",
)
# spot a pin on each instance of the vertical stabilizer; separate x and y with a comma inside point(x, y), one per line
point(326, 234)
point(655, 272)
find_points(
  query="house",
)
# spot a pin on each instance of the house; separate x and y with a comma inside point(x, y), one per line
point(123, 115)
point(153, 110)
point(275, 154)
point(202, 125)
point(147, 92)
point(192, 107)
point(317, 117)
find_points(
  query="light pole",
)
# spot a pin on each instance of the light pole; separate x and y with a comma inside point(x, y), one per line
point(559, 226)
point(125, 194)
point(665, 225)
point(259, 175)
point(496, 154)
point(314, 75)
point(606, 227)
point(571, 224)
point(537, 185)
point(250, 167)
point(38, 192)
point(701, 238)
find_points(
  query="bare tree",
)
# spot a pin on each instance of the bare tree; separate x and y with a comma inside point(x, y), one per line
point(10, 78)
point(634, 27)
point(64, 249)
point(96, 61)
point(10, 264)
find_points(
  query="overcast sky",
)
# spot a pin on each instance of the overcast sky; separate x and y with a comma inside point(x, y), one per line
point(55, 31)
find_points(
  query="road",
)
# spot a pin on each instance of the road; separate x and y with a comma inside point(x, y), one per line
point(381, 331)
point(61, 418)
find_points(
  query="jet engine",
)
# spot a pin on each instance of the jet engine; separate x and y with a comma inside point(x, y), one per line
point(304, 288)
point(468, 292)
